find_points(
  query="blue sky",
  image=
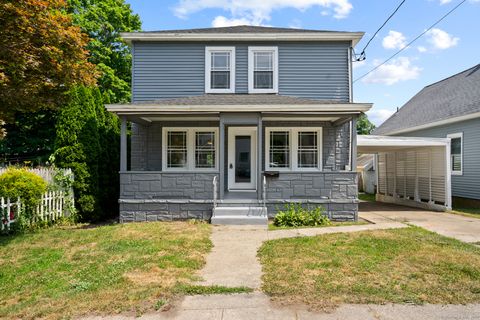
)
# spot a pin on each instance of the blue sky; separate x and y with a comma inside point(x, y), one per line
point(454, 44)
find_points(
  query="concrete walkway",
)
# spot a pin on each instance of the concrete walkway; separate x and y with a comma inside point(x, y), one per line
point(258, 306)
point(233, 260)
point(450, 225)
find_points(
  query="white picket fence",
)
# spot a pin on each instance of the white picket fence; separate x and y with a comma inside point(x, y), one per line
point(52, 206)
point(47, 174)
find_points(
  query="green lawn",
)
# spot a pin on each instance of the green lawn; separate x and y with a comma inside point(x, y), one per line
point(409, 265)
point(366, 197)
point(66, 272)
point(468, 212)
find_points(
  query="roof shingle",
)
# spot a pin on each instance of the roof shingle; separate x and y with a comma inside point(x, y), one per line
point(240, 29)
point(238, 99)
point(452, 97)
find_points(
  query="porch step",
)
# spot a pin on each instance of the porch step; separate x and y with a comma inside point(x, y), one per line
point(239, 215)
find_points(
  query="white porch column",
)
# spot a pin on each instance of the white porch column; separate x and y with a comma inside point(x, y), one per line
point(123, 144)
point(259, 157)
point(448, 175)
point(221, 150)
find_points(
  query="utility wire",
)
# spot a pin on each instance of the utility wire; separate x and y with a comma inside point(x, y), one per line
point(408, 44)
point(362, 54)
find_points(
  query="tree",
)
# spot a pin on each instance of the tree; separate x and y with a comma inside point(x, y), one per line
point(42, 55)
point(30, 138)
point(364, 126)
point(103, 20)
point(87, 138)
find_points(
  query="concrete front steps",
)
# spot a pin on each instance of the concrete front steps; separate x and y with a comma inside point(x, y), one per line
point(239, 215)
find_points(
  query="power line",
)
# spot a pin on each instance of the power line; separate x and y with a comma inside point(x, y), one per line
point(362, 54)
point(408, 44)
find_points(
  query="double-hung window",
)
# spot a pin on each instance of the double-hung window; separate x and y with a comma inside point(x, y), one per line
point(220, 69)
point(456, 153)
point(263, 70)
point(190, 149)
point(293, 149)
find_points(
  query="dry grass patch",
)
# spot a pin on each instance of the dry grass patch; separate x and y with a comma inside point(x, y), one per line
point(409, 265)
point(66, 272)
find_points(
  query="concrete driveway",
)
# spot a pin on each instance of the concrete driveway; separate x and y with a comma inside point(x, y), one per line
point(451, 225)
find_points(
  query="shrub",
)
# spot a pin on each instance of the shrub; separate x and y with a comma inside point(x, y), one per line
point(87, 141)
point(295, 215)
point(28, 186)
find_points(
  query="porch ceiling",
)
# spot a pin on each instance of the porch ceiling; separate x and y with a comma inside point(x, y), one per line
point(375, 144)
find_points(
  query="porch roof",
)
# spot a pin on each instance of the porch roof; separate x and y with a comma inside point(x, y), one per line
point(215, 103)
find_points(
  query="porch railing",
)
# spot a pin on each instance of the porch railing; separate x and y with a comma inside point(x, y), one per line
point(264, 194)
point(215, 191)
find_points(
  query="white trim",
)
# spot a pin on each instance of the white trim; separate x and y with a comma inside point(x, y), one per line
point(350, 75)
point(251, 60)
point(148, 108)
point(388, 141)
point(232, 185)
point(453, 136)
point(293, 140)
point(355, 37)
point(186, 118)
point(208, 66)
point(437, 123)
point(190, 166)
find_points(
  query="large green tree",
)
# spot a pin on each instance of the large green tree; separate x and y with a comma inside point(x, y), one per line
point(42, 55)
point(364, 126)
point(103, 20)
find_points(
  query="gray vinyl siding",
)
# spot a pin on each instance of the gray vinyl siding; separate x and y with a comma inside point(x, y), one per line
point(308, 70)
point(468, 184)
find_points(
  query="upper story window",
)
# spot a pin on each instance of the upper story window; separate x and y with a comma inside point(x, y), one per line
point(220, 69)
point(456, 153)
point(263, 70)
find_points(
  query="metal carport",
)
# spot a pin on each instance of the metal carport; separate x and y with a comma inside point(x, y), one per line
point(411, 171)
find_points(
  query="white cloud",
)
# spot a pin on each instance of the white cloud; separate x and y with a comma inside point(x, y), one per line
point(221, 21)
point(358, 64)
point(378, 116)
point(442, 2)
point(397, 70)
point(295, 24)
point(441, 39)
point(257, 12)
point(421, 49)
point(394, 40)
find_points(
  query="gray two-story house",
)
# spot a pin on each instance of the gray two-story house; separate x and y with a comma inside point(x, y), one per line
point(230, 123)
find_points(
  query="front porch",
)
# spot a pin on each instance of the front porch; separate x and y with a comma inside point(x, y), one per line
point(183, 164)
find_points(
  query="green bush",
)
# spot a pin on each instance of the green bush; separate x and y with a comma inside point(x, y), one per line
point(87, 141)
point(295, 215)
point(16, 182)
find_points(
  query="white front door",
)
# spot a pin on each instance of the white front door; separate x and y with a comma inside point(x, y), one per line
point(242, 158)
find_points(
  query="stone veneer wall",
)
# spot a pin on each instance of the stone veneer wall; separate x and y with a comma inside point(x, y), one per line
point(157, 196)
point(337, 192)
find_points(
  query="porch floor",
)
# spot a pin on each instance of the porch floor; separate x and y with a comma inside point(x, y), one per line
point(240, 195)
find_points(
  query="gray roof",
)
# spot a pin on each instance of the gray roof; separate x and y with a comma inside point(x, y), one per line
point(237, 99)
point(452, 97)
point(240, 29)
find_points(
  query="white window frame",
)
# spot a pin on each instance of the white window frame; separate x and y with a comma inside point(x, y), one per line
point(208, 66)
point(456, 136)
point(190, 148)
point(293, 139)
point(251, 51)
